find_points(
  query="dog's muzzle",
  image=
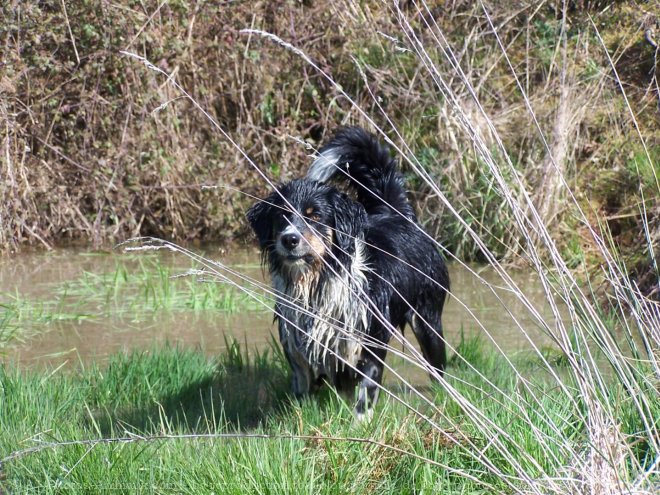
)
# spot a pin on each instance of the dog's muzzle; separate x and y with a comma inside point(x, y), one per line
point(293, 247)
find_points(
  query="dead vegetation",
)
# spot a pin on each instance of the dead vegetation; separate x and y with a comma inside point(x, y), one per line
point(96, 148)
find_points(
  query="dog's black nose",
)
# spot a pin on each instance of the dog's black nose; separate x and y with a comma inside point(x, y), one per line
point(290, 241)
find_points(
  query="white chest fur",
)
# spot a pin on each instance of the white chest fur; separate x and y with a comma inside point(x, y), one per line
point(325, 318)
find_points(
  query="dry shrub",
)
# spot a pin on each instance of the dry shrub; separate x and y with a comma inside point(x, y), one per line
point(98, 148)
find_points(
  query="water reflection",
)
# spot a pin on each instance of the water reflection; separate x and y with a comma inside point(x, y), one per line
point(481, 298)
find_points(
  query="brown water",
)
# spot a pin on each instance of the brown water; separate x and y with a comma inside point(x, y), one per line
point(36, 276)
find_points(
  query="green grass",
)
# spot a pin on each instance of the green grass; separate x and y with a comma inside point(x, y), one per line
point(133, 290)
point(644, 168)
point(172, 391)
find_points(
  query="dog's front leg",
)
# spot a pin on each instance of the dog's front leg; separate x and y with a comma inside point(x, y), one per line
point(371, 372)
point(301, 379)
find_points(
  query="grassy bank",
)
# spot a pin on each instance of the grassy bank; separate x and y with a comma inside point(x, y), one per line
point(171, 408)
point(97, 147)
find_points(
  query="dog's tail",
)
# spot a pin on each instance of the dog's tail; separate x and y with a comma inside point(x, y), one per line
point(357, 156)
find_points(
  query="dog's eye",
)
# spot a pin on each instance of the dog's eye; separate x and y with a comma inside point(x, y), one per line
point(313, 215)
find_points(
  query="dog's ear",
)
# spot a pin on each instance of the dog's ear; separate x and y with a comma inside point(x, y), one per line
point(260, 216)
point(350, 221)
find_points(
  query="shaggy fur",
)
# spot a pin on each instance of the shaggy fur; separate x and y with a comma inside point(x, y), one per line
point(347, 273)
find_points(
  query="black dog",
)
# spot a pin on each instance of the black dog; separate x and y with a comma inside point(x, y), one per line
point(347, 273)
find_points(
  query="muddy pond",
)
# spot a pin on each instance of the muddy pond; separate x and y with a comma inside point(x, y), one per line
point(70, 307)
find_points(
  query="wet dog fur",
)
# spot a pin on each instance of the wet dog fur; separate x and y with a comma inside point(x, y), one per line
point(347, 271)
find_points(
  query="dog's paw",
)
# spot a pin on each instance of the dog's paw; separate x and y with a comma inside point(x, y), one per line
point(364, 417)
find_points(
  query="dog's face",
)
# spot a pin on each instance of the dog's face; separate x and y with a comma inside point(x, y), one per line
point(304, 224)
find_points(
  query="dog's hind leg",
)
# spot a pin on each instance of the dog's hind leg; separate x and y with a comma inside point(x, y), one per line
point(427, 328)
